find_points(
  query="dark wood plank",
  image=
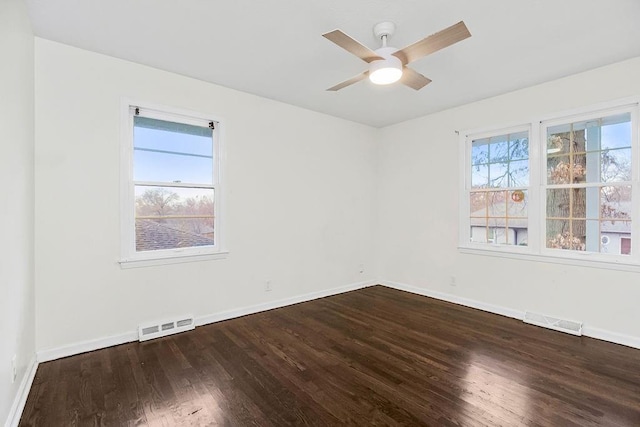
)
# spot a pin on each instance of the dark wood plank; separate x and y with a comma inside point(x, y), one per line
point(376, 356)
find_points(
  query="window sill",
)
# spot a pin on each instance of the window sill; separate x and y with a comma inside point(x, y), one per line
point(577, 260)
point(172, 259)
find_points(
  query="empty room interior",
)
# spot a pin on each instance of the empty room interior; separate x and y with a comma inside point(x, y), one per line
point(320, 213)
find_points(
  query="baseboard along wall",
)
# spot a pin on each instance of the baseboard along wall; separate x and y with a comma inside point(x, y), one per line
point(601, 334)
point(130, 336)
point(21, 397)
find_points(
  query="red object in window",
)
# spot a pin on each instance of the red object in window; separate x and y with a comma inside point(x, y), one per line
point(625, 246)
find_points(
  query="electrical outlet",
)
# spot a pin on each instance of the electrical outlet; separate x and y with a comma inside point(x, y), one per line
point(14, 369)
point(267, 285)
point(452, 281)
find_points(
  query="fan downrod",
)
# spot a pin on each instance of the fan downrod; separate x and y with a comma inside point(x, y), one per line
point(384, 29)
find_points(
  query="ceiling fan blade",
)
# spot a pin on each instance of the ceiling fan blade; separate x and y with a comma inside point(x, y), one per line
point(349, 82)
point(351, 45)
point(413, 79)
point(433, 43)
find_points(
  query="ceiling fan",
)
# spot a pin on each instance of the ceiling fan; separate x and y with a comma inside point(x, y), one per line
point(388, 64)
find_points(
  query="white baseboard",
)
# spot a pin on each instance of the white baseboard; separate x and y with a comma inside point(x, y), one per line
point(601, 334)
point(97, 344)
point(85, 346)
point(496, 309)
point(614, 337)
point(21, 397)
point(230, 314)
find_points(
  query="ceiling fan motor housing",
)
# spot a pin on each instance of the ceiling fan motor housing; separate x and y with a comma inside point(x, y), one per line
point(387, 70)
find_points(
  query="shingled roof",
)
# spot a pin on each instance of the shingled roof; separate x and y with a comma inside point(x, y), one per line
point(152, 235)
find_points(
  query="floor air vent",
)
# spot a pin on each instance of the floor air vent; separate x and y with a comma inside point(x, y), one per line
point(150, 331)
point(562, 325)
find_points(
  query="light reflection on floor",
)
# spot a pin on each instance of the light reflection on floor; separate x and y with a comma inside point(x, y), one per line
point(496, 392)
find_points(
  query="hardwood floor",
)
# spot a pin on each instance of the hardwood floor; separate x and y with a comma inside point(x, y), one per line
point(376, 356)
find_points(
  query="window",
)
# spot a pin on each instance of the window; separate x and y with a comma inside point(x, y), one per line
point(588, 182)
point(499, 185)
point(557, 187)
point(171, 186)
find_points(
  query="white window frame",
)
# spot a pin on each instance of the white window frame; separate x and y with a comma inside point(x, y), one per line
point(465, 231)
point(536, 249)
point(129, 256)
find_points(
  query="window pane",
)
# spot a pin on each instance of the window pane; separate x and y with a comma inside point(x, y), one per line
point(479, 230)
point(617, 135)
point(500, 161)
point(579, 233)
point(616, 165)
point(615, 237)
point(558, 169)
point(606, 141)
point(519, 173)
point(499, 149)
point(479, 151)
point(557, 142)
point(517, 203)
point(480, 176)
point(170, 217)
point(579, 169)
point(559, 236)
point(172, 152)
point(558, 201)
point(163, 167)
point(615, 202)
point(496, 204)
point(519, 147)
point(478, 204)
point(501, 235)
point(498, 175)
point(579, 202)
point(499, 217)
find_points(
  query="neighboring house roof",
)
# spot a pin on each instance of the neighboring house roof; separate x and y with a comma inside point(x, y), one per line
point(620, 224)
point(499, 211)
point(152, 235)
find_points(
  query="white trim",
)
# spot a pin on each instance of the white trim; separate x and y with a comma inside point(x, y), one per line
point(597, 333)
point(97, 344)
point(85, 346)
point(583, 259)
point(575, 113)
point(230, 314)
point(171, 259)
point(496, 309)
point(614, 337)
point(15, 413)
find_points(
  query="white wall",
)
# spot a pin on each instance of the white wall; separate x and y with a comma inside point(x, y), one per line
point(418, 211)
point(300, 200)
point(16, 212)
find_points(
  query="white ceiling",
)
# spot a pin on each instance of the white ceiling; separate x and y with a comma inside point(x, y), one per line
point(274, 48)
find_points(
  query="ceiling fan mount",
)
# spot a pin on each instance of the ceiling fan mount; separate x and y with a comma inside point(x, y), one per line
point(388, 64)
point(384, 29)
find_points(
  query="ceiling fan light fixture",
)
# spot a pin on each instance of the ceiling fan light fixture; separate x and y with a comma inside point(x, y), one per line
point(384, 74)
point(385, 71)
